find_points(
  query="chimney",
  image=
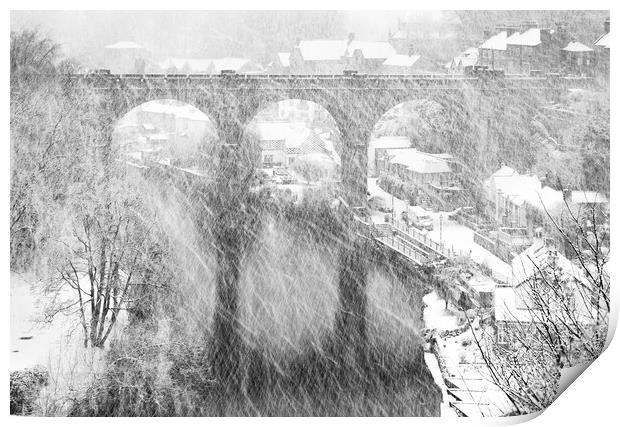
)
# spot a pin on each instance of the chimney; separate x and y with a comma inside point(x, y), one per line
point(350, 38)
point(606, 25)
point(487, 33)
point(410, 50)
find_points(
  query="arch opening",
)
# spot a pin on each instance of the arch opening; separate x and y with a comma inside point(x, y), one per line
point(166, 132)
point(300, 147)
point(414, 177)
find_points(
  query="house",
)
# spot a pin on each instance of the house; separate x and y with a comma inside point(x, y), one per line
point(125, 57)
point(377, 150)
point(577, 58)
point(493, 49)
point(467, 58)
point(318, 57)
point(281, 64)
point(400, 64)
point(335, 56)
point(601, 47)
point(520, 201)
point(523, 48)
point(367, 57)
point(542, 278)
point(283, 143)
point(418, 168)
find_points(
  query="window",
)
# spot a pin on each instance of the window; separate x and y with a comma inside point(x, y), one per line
point(502, 333)
point(268, 158)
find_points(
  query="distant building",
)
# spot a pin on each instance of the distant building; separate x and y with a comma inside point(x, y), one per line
point(318, 57)
point(601, 47)
point(125, 57)
point(416, 167)
point(282, 143)
point(578, 58)
point(335, 56)
point(520, 201)
point(377, 150)
point(523, 48)
point(367, 57)
point(400, 64)
point(281, 64)
point(467, 58)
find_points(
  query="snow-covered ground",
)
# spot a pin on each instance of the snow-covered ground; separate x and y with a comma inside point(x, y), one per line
point(433, 366)
point(461, 239)
point(435, 314)
point(56, 345)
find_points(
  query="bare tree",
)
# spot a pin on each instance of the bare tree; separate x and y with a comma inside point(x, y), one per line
point(561, 317)
point(106, 264)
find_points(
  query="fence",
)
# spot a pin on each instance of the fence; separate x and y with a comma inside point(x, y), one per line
point(423, 239)
point(409, 250)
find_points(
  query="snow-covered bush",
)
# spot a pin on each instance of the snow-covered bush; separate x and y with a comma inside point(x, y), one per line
point(25, 387)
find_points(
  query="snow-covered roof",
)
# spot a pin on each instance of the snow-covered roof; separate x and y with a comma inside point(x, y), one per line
point(577, 47)
point(506, 307)
point(587, 197)
point(294, 134)
point(284, 58)
point(464, 59)
point(520, 189)
point(322, 50)
point(398, 60)
point(390, 142)
point(371, 50)
point(417, 161)
point(537, 258)
point(530, 37)
point(124, 45)
point(497, 42)
point(603, 41)
point(229, 63)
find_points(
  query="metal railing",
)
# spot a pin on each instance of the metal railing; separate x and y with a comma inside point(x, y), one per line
point(384, 233)
point(410, 251)
point(414, 233)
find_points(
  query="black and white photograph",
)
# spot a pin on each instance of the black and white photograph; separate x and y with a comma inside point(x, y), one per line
point(306, 213)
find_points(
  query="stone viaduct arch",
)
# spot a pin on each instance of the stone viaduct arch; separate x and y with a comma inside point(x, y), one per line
point(356, 103)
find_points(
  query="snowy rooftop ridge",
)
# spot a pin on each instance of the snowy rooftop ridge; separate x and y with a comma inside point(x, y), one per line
point(520, 189)
point(335, 50)
point(577, 47)
point(124, 45)
point(418, 161)
point(371, 50)
point(399, 60)
point(496, 42)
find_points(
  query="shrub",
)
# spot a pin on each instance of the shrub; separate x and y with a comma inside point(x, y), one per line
point(25, 387)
